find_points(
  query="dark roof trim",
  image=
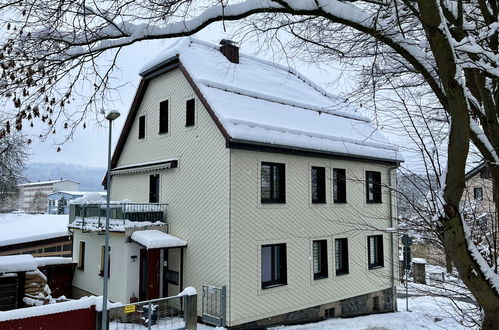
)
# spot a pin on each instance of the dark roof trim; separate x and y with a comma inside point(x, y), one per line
point(30, 244)
point(161, 68)
point(254, 146)
point(475, 170)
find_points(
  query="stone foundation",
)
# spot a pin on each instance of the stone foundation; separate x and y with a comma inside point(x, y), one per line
point(374, 302)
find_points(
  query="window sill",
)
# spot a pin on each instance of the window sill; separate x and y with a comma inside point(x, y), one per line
point(342, 273)
point(376, 267)
point(272, 202)
point(320, 277)
point(271, 286)
point(319, 203)
point(338, 202)
point(372, 202)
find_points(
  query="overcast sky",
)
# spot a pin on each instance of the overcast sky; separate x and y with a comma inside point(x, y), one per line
point(89, 147)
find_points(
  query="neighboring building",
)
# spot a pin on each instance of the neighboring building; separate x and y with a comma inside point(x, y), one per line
point(33, 195)
point(38, 235)
point(269, 191)
point(58, 201)
point(480, 188)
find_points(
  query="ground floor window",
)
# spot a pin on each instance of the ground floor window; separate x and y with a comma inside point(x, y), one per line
point(375, 251)
point(320, 259)
point(274, 269)
point(341, 256)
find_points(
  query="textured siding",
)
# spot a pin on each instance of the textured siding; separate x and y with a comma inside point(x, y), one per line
point(297, 223)
point(197, 192)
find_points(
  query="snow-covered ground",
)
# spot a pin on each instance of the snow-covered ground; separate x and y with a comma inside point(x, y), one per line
point(20, 227)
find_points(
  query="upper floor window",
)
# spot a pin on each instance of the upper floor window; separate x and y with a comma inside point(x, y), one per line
point(318, 184)
point(341, 256)
point(339, 185)
point(142, 127)
point(273, 183)
point(190, 112)
point(163, 117)
point(478, 193)
point(373, 187)
point(154, 188)
point(320, 259)
point(274, 268)
point(375, 251)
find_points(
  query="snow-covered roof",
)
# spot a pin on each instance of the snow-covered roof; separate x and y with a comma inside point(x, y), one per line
point(155, 239)
point(48, 261)
point(17, 263)
point(263, 103)
point(18, 228)
point(77, 193)
point(43, 183)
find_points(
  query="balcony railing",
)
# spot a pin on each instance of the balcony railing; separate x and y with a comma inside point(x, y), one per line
point(122, 215)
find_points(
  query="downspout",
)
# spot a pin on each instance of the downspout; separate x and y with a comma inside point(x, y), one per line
point(392, 232)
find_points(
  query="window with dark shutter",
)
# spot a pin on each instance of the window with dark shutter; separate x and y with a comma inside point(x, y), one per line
point(375, 251)
point(102, 256)
point(142, 127)
point(274, 268)
point(320, 259)
point(273, 183)
point(318, 184)
point(339, 185)
point(154, 188)
point(190, 112)
point(163, 117)
point(373, 187)
point(341, 256)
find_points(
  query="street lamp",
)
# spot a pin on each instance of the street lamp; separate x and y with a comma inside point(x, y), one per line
point(110, 116)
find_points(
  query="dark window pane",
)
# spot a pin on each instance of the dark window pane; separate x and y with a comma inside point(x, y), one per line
point(190, 112)
point(341, 256)
point(375, 251)
point(373, 187)
point(154, 188)
point(318, 185)
point(478, 193)
point(163, 117)
point(339, 186)
point(320, 259)
point(273, 265)
point(272, 183)
point(142, 127)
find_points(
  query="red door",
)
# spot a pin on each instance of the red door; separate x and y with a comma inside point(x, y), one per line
point(149, 274)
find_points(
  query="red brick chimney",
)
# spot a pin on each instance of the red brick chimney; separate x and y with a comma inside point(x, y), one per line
point(230, 50)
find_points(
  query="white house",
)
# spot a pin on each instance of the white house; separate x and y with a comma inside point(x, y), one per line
point(42, 189)
point(58, 201)
point(274, 189)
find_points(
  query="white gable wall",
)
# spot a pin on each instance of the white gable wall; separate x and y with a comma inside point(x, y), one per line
point(197, 192)
point(297, 223)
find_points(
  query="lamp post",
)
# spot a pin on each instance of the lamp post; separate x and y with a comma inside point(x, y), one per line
point(110, 116)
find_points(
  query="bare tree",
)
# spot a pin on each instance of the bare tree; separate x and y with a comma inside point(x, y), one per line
point(440, 50)
point(38, 203)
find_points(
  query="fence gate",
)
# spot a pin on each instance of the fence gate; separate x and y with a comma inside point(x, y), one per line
point(214, 305)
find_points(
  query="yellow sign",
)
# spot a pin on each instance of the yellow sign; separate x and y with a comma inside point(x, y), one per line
point(129, 308)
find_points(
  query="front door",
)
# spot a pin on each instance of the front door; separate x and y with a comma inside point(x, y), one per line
point(149, 274)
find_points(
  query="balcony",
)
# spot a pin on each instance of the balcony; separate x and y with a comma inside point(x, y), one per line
point(92, 217)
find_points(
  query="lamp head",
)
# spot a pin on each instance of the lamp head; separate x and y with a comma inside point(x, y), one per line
point(112, 115)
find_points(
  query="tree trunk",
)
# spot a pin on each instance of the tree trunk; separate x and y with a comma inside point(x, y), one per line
point(491, 319)
point(448, 264)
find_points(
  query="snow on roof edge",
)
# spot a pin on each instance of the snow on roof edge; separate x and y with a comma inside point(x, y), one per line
point(44, 182)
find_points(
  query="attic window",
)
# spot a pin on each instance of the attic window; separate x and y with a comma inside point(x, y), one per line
point(190, 113)
point(163, 117)
point(142, 127)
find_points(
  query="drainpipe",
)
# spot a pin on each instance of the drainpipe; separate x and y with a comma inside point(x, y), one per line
point(394, 288)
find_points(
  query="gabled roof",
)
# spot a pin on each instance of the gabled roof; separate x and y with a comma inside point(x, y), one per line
point(262, 103)
point(475, 170)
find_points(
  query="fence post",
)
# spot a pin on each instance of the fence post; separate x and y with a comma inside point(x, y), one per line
point(222, 305)
point(191, 312)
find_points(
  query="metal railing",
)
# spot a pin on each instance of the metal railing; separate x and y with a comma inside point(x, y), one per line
point(94, 215)
point(213, 305)
point(163, 313)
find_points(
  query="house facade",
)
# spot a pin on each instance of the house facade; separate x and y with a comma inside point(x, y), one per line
point(33, 195)
point(279, 197)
